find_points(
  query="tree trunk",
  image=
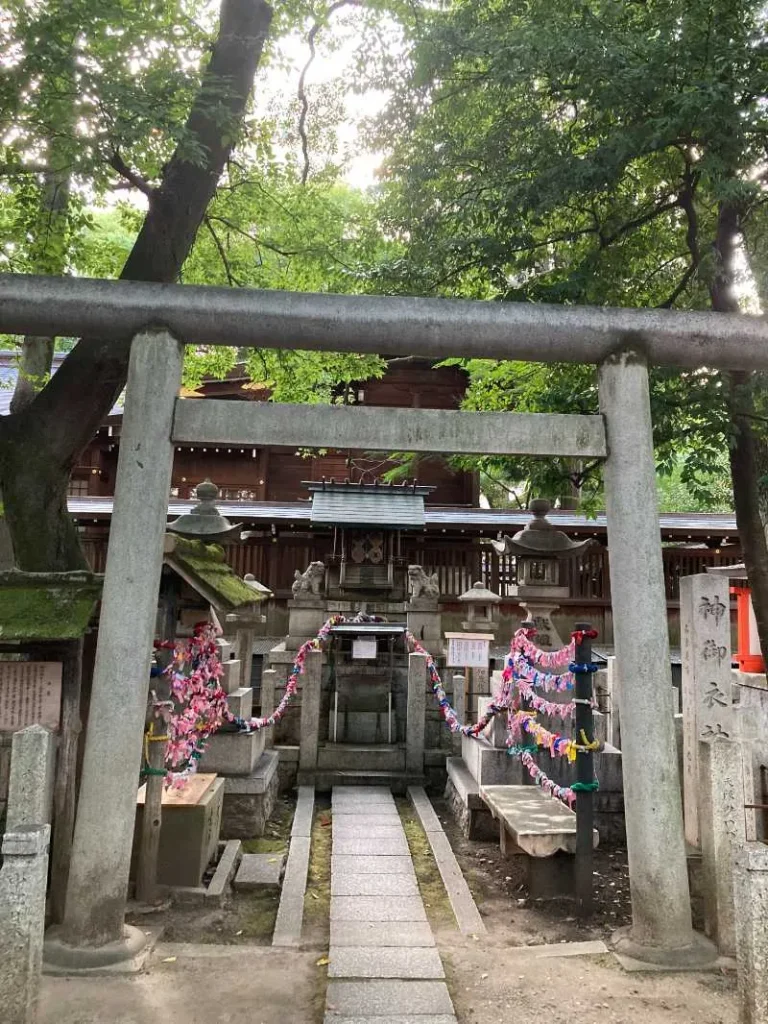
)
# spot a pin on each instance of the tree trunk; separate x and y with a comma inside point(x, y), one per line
point(50, 230)
point(42, 442)
point(748, 452)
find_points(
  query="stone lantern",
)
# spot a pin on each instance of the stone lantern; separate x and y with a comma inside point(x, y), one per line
point(540, 550)
point(204, 521)
point(482, 609)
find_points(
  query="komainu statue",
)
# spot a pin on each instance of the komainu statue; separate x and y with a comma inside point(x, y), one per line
point(421, 584)
point(308, 583)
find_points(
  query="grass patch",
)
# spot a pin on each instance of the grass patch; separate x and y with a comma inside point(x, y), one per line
point(278, 830)
point(264, 845)
point(317, 899)
point(256, 914)
point(430, 883)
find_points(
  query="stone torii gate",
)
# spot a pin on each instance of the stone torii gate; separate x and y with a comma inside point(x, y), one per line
point(162, 318)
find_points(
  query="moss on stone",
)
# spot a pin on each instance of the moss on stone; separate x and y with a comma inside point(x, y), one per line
point(207, 563)
point(43, 606)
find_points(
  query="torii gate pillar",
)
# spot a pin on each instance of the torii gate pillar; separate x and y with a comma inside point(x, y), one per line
point(661, 930)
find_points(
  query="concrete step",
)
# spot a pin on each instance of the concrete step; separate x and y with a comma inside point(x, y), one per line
point(375, 758)
point(325, 779)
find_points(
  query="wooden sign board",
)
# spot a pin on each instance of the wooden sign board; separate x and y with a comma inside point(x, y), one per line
point(364, 648)
point(468, 650)
point(30, 694)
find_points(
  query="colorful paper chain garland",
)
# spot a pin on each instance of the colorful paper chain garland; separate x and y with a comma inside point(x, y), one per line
point(199, 706)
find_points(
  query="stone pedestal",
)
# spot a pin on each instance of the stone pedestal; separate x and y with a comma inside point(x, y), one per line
point(539, 603)
point(250, 799)
point(722, 831)
point(232, 753)
point(425, 622)
point(189, 834)
point(305, 617)
point(706, 649)
point(751, 900)
point(489, 765)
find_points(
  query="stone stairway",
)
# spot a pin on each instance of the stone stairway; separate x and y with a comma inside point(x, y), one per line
point(384, 964)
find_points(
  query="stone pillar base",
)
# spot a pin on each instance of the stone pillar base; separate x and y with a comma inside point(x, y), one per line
point(126, 956)
point(547, 638)
point(697, 956)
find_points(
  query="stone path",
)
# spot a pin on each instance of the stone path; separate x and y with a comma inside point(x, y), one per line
point(384, 964)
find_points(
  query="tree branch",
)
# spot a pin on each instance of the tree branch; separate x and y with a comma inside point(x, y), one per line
point(133, 178)
point(301, 90)
point(70, 413)
point(231, 279)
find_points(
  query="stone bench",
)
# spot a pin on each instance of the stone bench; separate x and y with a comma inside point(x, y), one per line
point(539, 829)
point(463, 794)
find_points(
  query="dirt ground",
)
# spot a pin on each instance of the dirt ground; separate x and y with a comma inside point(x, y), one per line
point(196, 985)
point(217, 967)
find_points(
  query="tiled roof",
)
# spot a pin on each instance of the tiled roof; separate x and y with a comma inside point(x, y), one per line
point(383, 507)
point(680, 523)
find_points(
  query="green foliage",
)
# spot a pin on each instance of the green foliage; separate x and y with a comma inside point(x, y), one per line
point(264, 230)
point(709, 492)
point(563, 152)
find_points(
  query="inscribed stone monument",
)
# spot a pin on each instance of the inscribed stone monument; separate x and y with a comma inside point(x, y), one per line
point(705, 621)
point(30, 694)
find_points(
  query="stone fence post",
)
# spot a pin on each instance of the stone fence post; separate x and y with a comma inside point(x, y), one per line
point(751, 898)
point(417, 706)
point(311, 684)
point(24, 875)
point(722, 831)
point(459, 706)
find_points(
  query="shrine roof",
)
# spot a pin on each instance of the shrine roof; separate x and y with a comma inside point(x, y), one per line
point(46, 606)
point(345, 504)
point(205, 569)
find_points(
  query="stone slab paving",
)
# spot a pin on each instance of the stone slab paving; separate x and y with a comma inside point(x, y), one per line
point(342, 820)
point(359, 807)
point(259, 869)
point(352, 825)
point(379, 974)
point(344, 883)
point(388, 998)
point(373, 865)
point(369, 933)
point(429, 1018)
point(386, 962)
point(377, 908)
point(367, 847)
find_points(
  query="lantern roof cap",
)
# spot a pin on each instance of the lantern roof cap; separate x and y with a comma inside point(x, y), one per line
point(204, 521)
point(540, 538)
point(479, 594)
